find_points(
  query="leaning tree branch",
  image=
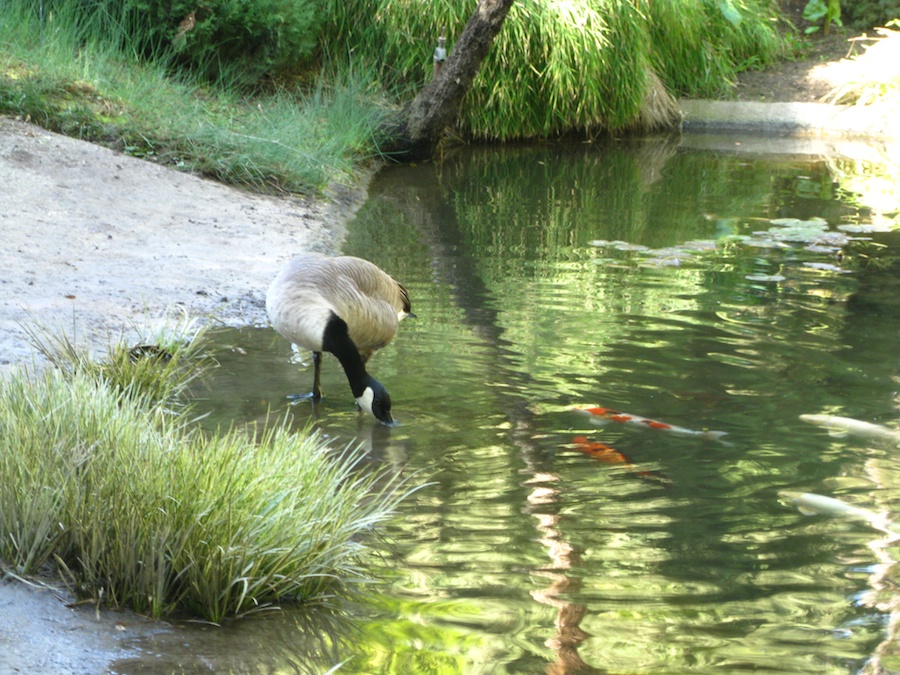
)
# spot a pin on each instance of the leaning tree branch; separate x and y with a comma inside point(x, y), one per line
point(420, 125)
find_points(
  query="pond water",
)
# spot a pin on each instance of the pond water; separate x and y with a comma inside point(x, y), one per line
point(715, 290)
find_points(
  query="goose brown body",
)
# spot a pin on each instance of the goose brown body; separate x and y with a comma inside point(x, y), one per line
point(339, 305)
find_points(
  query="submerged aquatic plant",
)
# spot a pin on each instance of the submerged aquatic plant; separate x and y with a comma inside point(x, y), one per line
point(813, 238)
point(140, 508)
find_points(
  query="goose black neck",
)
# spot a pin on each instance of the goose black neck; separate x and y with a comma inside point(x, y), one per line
point(336, 339)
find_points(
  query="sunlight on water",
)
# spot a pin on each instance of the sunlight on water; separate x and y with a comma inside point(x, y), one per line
point(552, 278)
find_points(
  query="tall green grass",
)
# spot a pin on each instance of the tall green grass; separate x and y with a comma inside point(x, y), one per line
point(140, 508)
point(79, 77)
point(560, 67)
point(699, 50)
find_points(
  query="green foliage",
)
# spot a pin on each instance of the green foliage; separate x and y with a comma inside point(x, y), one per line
point(824, 12)
point(870, 13)
point(244, 41)
point(54, 73)
point(558, 67)
point(139, 508)
point(291, 141)
point(699, 51)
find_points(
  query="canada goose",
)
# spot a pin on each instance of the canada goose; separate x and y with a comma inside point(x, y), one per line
point(346, 306)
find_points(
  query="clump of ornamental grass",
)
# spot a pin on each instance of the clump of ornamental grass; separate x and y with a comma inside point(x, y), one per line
point(553, 69)
point(160, 362)
point(140, 508)
point(565, 67)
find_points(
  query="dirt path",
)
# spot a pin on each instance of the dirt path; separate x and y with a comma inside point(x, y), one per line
point(806, 79)
point(108, 242)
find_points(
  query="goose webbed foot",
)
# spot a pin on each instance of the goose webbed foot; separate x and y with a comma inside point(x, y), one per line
point(311, 396)
point(314, 396)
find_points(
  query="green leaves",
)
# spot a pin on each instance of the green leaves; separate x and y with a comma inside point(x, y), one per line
point(824, 12)
point(559, 68)
point(730, 12)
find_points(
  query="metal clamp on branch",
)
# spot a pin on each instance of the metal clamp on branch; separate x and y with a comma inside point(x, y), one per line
point(440, 54)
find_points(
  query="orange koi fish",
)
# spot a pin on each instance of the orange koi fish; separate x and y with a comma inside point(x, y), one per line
point(600, 451)
point(603, 453)
point(601, 416)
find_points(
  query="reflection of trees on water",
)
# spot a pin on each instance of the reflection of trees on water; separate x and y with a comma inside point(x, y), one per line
point(875, 302)
point(883, 596)
point(446, 216)
point(872, 321)
point(421, 199)
point(543, 504)
point(436, 216)
point(869, 329)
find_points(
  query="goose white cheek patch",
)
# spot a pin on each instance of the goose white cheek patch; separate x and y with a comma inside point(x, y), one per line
point(365, 401)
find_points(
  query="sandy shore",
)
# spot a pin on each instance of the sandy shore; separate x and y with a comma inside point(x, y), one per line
point(106, 243)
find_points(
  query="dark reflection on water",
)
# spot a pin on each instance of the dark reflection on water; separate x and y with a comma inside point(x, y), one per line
point(666, 553)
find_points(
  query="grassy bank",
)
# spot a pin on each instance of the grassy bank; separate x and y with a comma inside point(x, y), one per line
point(277, 125)
point(582, 67)
point(75, 77)
point(105, 476)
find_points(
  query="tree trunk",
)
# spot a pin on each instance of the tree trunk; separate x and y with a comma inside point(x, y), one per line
point(415, 134)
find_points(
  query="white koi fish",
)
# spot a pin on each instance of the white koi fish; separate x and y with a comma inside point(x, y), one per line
point(854, 427)
point(811, 504)
point(601, 416)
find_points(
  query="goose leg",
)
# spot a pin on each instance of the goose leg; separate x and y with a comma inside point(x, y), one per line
point(316, 394)
point(317, 386)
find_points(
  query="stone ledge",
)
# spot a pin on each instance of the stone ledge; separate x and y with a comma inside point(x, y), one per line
point(802, 119)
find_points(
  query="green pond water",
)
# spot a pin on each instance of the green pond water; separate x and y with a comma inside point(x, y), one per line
point(715, 290)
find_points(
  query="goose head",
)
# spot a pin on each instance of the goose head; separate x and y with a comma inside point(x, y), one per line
point(376, 401)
